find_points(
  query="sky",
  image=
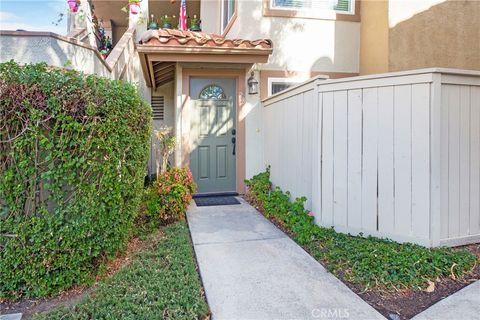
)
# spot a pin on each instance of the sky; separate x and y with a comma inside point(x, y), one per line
point(33, 15)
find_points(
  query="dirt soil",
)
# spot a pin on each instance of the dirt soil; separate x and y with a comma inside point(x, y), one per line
point(70, 297)
point(402, 304)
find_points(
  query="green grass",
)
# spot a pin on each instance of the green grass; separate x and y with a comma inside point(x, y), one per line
point(368, 262)
point(161, 282)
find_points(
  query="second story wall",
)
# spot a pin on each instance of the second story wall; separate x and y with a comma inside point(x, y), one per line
point(374, 37)
point(403, 35)
point(446, 34)
point(302, 46)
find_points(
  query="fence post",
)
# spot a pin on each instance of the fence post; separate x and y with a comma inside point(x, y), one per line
point(317, 157)
point(435, 158)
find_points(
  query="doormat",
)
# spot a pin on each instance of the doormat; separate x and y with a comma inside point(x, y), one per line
point(215, 201)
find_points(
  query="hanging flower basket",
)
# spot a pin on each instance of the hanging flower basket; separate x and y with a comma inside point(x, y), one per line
point(134, 6)
point(73, 5)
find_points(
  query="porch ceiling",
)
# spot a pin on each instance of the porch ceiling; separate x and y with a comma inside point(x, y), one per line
point(163, 72)
point(159, 50)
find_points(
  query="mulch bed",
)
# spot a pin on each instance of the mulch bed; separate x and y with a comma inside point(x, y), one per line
point(401, 304)
point(70, 297)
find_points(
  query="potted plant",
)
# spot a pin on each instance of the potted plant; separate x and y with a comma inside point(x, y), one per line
point(166, 21)
point(195, 24)
point(134, 6)
point(104, 52)
point(153, 25)
point(74, 5)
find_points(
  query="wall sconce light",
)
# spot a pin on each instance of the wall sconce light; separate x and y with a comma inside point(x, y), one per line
point(252, 84)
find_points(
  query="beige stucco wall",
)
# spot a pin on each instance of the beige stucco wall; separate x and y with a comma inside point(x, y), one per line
point(53, 51)
point(167, 91)
point(374, 37)
point(446, 34)
point(210, 16)
point(302, 45)
point(254, 128)
point(401, 35)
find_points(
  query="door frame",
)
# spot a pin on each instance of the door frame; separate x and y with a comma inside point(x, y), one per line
point(239, 75)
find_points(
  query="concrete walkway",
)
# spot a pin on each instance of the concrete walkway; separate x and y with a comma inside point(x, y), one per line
point(252, 270)
point(462, 305)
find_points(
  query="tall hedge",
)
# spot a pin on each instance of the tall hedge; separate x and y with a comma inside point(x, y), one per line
point(73, 152)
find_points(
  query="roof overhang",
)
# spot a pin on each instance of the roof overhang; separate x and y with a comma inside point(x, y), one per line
point(154, 59)
point(158, 58)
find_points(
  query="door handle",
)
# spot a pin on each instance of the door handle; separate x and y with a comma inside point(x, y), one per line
point(234, 140)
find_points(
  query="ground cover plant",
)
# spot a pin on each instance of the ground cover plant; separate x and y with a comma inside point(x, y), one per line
point(73, 150)
point(367, 262)
point(161, 282)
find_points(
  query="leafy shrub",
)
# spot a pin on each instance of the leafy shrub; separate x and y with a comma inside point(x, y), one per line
point(175, 188)
point(167, 199)
point(73, 151)
point(368, 261)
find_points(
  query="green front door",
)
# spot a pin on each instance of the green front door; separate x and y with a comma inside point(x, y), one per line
point(213, 134)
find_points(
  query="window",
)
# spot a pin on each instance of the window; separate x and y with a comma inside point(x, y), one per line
point(276, 85)
point(212, 92)
point(228, 10)
point(340, 6)
point(280, 86)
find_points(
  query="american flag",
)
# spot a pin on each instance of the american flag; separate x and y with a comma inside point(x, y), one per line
point(183, 15)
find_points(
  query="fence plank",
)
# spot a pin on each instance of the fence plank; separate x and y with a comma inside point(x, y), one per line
point(453, 161)
point(327, 160)
point(355, 159)
point(444, 161)
point(317, 160)
point(421, 159)
point(268, 127)
point(282, 134)
point(369, 164)
point(402, 159)
point(464, 145)
point(309, 131)
point(295, 154)
point(386, 208)
point(474, 225)
point(340, 158)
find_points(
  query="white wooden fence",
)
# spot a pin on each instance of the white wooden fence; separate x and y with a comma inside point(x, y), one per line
point(392, 155)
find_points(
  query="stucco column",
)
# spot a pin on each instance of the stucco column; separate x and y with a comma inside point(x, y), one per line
point(139, 21)
point(178, 103)
point(253, 112)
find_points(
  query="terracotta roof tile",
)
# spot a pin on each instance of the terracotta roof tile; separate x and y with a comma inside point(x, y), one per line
point(172, 37)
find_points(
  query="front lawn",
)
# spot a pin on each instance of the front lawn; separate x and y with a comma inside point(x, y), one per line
point(161, 282)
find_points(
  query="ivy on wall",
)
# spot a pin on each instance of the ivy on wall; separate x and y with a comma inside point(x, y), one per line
point(73, 152)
